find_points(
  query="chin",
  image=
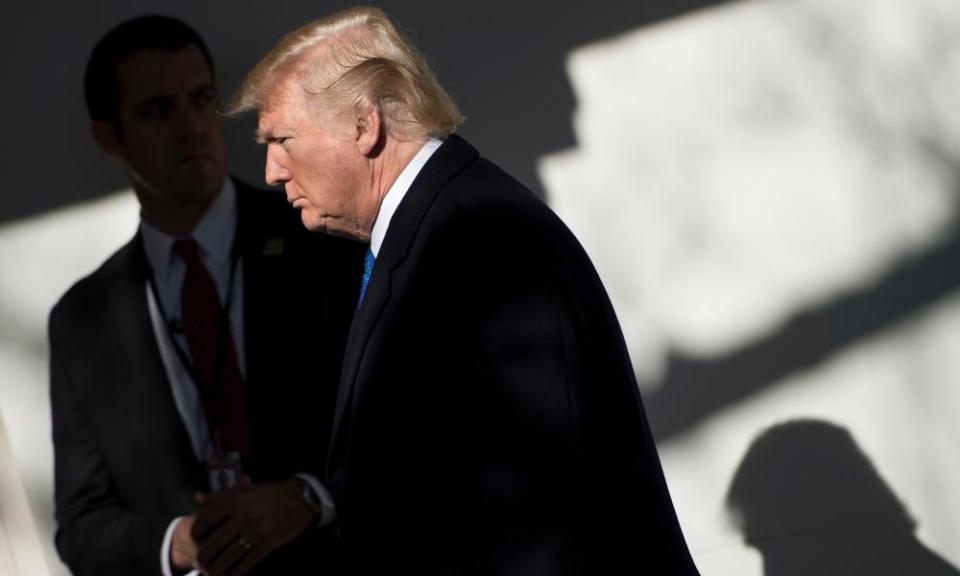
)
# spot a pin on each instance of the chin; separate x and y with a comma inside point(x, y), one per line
point(205, 185)
point(312, 224)
point(202, 171)
point(350, 235)
point(323, 225)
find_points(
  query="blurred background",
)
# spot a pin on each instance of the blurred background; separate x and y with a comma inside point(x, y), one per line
point(770, 190)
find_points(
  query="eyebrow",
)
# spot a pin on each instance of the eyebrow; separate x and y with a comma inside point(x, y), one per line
point(262, 136)
point(167, 97)
point(203, 88)
point(155, 99)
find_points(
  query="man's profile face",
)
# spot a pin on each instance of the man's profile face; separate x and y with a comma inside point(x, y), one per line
point(169, 131)
point(315, 156)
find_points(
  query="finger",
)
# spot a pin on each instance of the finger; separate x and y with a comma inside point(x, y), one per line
point(247, 563)
point(217, 543)
point(231, 557)
point(214, 512)
point(207, 524)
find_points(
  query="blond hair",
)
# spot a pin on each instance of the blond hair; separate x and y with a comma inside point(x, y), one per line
point(354, 58)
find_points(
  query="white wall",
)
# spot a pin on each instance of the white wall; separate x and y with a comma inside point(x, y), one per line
point(41, 258)
point(745, 166)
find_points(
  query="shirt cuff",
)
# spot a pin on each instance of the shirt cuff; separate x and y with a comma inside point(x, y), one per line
point(165, 547)
point(165, 566)
point(328, 512)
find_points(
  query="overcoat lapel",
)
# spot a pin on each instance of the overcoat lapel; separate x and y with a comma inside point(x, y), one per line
point(450, 159)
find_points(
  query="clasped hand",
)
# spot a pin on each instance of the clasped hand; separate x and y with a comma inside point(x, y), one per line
point(234, 530)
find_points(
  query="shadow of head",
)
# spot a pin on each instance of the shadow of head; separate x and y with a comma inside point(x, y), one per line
point(811, 502)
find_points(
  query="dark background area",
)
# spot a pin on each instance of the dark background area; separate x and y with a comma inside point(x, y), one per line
point(502, 61)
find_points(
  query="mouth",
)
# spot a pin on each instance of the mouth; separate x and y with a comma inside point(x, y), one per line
point(194, 157)
point(292, 196)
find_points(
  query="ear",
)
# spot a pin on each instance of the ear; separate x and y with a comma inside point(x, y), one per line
point(369, 128)
point(107, 138)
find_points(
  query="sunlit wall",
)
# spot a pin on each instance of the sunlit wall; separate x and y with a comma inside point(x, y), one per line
point(41, 258)
point(769, 190)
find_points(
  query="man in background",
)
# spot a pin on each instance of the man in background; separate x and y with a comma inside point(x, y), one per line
point(175, 404)
point(489, 420)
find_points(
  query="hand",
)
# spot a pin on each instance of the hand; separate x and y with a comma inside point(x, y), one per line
point(183, 550)
point(235, 529)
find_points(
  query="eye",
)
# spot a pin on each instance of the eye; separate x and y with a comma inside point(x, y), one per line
point(204, 98)
point(153, 108)
point(269, 140)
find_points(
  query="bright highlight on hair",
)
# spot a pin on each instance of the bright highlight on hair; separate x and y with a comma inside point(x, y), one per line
point(351, 59)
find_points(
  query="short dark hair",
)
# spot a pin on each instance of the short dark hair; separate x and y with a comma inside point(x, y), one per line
point(152, 32)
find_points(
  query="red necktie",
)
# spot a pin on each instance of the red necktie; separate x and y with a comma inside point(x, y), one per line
point(213, 353)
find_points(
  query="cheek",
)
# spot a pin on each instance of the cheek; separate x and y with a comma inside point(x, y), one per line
point(218, 143)
point(148, 157)
point(316, 183)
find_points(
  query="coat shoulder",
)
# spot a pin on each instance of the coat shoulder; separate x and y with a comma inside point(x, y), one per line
point(88, 294)
point(489, 205)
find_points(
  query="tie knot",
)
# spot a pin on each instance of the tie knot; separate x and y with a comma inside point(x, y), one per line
point(187, 249)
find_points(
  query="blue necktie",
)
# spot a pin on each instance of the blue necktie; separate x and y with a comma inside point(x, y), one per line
point(368, 262)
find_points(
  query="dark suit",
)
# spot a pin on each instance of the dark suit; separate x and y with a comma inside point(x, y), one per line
point(489, 420)
point(124, 463)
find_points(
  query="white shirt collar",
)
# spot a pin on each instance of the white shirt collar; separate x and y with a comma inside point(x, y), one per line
point(214, 233)
point(397, 191)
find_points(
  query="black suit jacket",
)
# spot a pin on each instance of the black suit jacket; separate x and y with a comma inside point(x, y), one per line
point(124, 466)
point(489, 420)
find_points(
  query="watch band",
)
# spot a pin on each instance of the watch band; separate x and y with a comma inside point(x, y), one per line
point(311, 499)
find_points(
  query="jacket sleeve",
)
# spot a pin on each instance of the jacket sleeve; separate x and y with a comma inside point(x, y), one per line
point(96, 534)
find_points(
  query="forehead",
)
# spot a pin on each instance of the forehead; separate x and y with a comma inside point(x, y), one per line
point(283, 104)
point(149, 73)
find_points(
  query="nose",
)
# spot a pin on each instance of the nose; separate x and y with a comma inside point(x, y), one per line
point(191, 121)
point(275, 172)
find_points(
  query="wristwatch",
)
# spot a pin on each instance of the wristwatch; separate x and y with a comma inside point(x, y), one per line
point(311, 499)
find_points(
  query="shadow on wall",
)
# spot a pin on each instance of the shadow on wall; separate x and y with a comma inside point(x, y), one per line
point(758, 196)
point(811, 502)
point(693, 389)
